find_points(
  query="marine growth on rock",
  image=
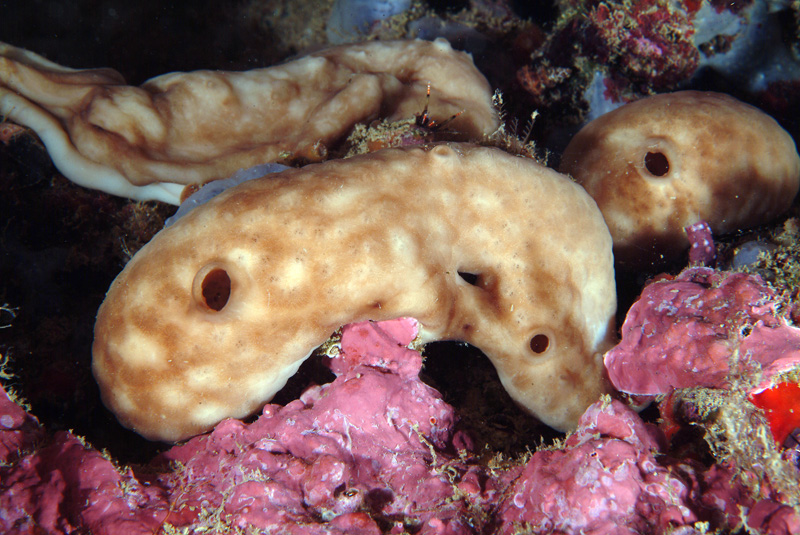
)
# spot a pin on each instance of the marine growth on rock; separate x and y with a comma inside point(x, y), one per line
point(361, 261)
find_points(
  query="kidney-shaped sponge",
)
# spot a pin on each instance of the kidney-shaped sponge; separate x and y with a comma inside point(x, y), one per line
point(212, 316)
point(662, 163)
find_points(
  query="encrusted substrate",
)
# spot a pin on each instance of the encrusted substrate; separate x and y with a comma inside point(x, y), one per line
point(721, 354)
point(373, 452)
point(699, 328)
point(359, 455)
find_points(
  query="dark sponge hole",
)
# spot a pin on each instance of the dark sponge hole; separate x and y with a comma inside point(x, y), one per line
point(540, 343)
point(656, 163)
point(470, 278)
point(216, 289)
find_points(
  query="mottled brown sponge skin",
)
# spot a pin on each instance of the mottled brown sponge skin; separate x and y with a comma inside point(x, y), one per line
point(728, 163)
point(195, 127)
point(379, 236)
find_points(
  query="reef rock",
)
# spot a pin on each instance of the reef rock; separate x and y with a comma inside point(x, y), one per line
point(375, 451)
point(354, 456)
point(689, 331)
point(606, 480)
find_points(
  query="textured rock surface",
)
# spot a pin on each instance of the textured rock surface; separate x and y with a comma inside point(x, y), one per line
point(354, 456)
point(373, 452)
point(606, 480)
point(685, 332)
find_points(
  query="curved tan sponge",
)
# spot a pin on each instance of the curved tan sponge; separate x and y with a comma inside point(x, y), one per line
point(665, 162)
point(190, 128)
point(211, 317)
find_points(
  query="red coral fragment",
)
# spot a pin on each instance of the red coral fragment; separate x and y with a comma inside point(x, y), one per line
point(781, 405)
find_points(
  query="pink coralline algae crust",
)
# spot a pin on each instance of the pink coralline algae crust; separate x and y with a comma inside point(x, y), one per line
point(606, 480)
point(683, 332)
point(360, 455)
point(67, 487)
point(725, 495)
point(364, 443)
point(372, 452)
point(19, 431)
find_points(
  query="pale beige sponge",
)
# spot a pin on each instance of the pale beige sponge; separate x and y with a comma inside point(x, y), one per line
point(212, 316)
point(149, 142)
point(665, 162)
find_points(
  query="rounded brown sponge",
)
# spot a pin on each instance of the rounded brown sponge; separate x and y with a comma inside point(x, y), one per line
point(662, 163)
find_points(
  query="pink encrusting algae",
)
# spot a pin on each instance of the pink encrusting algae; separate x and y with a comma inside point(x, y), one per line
point(375, 451)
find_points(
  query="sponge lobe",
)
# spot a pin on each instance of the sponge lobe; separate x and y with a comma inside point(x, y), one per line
point(474, 243)
point(662, 163)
